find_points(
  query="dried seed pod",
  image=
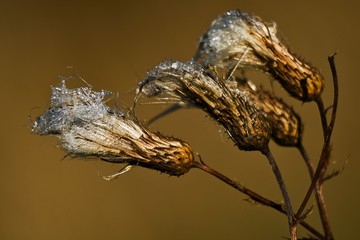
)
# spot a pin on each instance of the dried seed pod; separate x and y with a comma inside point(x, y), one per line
point(285, 122)
point(88, 128)
point(191, 83)
point(238, 39)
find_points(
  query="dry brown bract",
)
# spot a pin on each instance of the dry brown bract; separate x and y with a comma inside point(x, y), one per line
point(88, 128)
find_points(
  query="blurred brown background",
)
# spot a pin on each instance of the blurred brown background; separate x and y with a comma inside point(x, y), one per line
point(112, 44)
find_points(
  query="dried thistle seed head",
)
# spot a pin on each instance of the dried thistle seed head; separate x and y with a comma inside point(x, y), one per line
point(88, 128)
point(286, 123)
point(238, 39)
point(191, 83)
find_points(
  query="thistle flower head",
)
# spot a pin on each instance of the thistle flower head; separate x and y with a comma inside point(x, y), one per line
point(238, 39)
point(229, 39)
point(88, 128)
point(193, 84)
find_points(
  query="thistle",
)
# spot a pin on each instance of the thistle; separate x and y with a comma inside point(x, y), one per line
point(88, 128)
point(238, 39)
point(191, 83)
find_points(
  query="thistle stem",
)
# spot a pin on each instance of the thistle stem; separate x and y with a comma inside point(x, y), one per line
point(322, 111)
point(252, 195)
point(320, 200)
point(284, 192)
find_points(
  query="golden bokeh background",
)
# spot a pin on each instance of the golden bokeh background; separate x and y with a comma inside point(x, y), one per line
point(112, 44)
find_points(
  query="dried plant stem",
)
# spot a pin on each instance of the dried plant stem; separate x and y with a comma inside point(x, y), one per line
point(322, 111)
point(171, 109)
point(307, 160)
point(325, 153)
point(253, 195)
point(320, 201)
point(285, 194)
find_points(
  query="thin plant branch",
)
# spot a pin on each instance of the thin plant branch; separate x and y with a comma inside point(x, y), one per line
point(320, 200)
point(171, 109)
point(322, 111)
point(284, 192)
point(253, 195)
point(334, 173)
point(325, 154)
